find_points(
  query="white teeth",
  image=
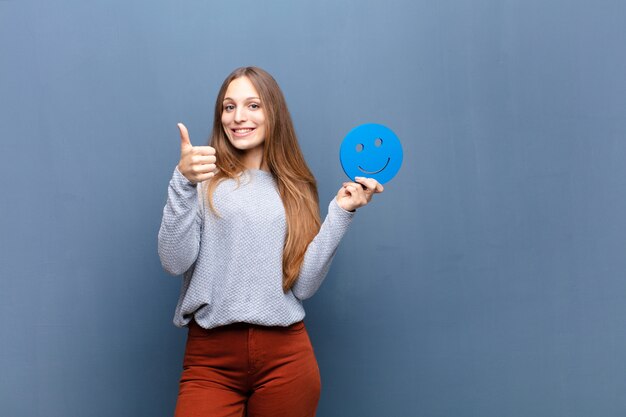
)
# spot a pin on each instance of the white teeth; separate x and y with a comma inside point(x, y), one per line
point(243, 130)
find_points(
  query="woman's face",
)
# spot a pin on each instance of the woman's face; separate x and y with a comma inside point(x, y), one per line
point(243, 118)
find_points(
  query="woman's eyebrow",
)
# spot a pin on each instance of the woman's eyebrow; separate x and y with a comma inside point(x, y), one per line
point(249, 98)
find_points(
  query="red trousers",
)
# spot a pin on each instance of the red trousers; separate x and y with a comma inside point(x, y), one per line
point(248, 370)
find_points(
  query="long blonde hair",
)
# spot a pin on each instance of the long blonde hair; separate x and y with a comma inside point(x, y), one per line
point(282, 155)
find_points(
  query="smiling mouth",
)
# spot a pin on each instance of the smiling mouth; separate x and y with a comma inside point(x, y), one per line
point(375, 172)
point(242, 132)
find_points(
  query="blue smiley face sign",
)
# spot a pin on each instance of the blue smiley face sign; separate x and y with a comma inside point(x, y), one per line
point(371, 150)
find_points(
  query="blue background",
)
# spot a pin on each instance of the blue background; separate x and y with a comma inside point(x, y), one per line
point(487, 280)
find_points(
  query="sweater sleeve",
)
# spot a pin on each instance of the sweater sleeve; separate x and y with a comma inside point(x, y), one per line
point(180, 231)
point(321, 251)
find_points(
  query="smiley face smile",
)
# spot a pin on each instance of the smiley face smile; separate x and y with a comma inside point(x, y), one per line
point(375, 172)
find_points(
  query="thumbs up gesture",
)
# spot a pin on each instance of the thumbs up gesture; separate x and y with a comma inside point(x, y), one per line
point(197, 163)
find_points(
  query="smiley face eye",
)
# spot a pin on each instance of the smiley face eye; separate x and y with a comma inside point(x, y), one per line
point(359, 147)
point(378, 142)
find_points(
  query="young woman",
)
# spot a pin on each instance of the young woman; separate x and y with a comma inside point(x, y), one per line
point(242, 224)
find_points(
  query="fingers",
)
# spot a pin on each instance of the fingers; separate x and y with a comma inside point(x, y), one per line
point(204, 177)
point(203, 150)
point(371, 185)
point(202, 169)
point(186, 143)
point(197, 163)
point(353, 195)
point(355, 189)
point(356, 193)
point(184, 136)
point(202, 159)
point(197, 173)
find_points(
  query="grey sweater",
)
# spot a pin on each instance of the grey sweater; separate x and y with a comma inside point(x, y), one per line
point(232, 264)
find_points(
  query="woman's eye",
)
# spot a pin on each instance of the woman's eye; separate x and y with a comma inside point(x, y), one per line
point(255, 106)
point(229, 107)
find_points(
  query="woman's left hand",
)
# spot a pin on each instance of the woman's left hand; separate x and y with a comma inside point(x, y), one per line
point(357, 194)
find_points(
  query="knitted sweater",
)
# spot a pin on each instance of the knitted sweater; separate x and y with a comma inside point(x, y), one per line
point(232, 264)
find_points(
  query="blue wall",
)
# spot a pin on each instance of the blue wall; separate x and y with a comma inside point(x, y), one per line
point(488, 279)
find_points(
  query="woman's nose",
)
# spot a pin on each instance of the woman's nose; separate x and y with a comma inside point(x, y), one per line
point(240, 115)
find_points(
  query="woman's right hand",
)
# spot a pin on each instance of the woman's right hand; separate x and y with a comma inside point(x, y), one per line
point(197, 163)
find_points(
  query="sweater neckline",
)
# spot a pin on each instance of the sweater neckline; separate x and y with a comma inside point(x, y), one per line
point(259, 171)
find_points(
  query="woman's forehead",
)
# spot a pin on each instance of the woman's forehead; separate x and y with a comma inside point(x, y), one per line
point(241, 89)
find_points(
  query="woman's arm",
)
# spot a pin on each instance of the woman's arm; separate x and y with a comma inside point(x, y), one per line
point(322, 249)
point(181, 226)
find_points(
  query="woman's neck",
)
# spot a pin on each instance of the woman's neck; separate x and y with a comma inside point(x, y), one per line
point(253, 159)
